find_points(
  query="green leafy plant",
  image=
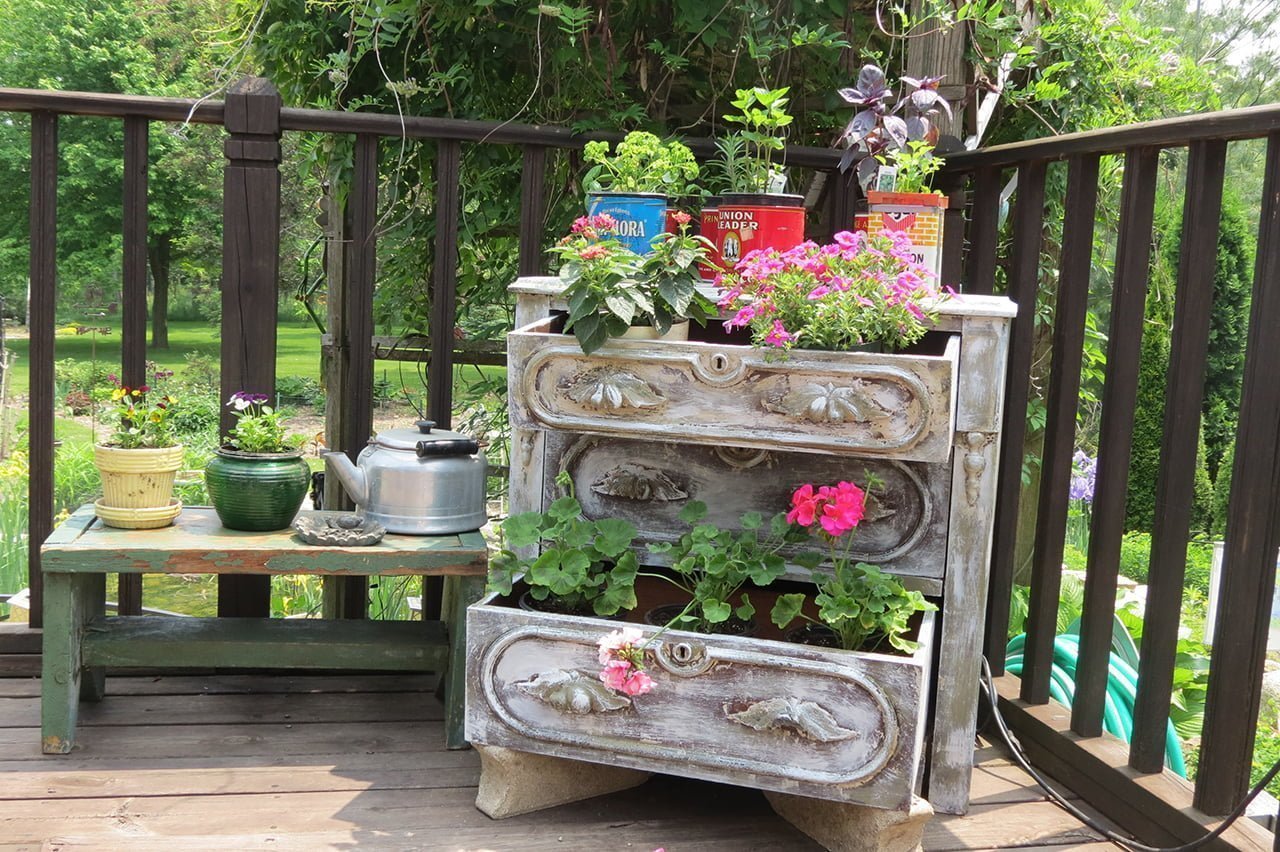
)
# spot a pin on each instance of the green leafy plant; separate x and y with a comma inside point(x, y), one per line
point(259, 427)
point(712, 565)
point(610, 288)
point(583, 566)
point(641, 163)
point(670, 276)
point(861, 605)
point(143, 419)
point(916, 165)
point(745, 161)
point(857, 290)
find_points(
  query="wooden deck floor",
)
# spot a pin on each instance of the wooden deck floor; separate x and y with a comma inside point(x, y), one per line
point(284, 763)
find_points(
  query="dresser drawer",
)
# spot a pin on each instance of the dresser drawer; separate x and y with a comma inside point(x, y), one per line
point(648, 483)
point(892, 405)
point(773, 715)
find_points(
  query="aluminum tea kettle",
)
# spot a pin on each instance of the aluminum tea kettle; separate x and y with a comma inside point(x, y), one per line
point(417, 481)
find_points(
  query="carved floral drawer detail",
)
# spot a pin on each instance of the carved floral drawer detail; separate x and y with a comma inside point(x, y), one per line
point(878, 404)
point(773, 715)
point(648, 483)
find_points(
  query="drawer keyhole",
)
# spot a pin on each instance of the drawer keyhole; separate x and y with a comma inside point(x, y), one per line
point(681, 652)
point(719, 363)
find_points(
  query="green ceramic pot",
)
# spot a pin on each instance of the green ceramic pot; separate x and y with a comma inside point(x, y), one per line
point(257, 491)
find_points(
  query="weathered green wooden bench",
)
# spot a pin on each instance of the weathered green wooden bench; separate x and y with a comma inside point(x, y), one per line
point(80, 640)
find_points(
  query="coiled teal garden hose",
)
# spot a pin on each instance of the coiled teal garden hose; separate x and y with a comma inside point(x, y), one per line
point(1122, 689)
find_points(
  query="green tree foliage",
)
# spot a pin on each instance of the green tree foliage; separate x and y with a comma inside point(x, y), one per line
point(661, 65)
point(1148, 421)
point(128, 46)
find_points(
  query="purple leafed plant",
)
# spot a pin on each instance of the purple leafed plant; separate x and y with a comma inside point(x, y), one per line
point(879, 130)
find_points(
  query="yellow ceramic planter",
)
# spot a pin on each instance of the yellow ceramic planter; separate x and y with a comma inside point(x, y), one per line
point(137, 479)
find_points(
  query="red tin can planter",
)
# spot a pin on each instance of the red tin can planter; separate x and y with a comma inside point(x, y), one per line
point(709, 227)
point(749, 222)
point(918, 214)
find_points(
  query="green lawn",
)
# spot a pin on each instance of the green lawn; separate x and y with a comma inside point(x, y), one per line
point(297, 348)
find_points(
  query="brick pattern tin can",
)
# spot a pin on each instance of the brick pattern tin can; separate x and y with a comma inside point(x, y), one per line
point(918, 214)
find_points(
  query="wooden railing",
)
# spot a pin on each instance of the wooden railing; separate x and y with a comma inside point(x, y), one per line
point(255, 120)
point(1253, 527)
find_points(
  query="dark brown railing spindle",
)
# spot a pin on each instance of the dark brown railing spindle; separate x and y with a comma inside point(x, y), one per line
point(1060, 425)
point(1024, 280)
point(356, 391)
point(1175, 483)
point(43, 310)
point(1253, 533)
point(133, 299)
point(1115, 439)
point(444, 283)
point(533, 208)
point(980, 273)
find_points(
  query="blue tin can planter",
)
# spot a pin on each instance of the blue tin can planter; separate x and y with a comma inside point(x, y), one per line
point(641, 216)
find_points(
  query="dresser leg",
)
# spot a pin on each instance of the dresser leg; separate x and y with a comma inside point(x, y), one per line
point(460, 593)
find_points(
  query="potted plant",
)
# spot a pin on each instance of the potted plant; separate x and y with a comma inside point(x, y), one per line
point(613, 292)
point(760, 712)
point(857, 291)
point(635, 182)
point(582, 567)
point(257, 479)
point(858, 607)
point(899, 163)
point(710, 566)
point(752, 213)
point(139, 461)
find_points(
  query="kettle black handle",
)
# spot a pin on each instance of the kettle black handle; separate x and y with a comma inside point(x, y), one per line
point(448, 447)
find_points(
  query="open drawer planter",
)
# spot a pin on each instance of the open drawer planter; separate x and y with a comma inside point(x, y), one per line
point(893, 404)
point(829, 724)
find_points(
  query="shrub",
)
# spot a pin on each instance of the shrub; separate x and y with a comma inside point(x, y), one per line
point(1135, 556)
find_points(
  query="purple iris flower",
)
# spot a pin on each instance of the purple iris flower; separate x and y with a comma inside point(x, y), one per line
point(1084, 473)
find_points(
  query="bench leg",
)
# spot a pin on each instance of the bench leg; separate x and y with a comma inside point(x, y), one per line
point(93, 679)
point(68, 605)
point(461, 593)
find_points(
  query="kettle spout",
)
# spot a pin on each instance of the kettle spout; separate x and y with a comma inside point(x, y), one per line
point(351, 477)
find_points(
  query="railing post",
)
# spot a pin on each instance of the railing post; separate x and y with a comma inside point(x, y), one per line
point(250, 269)
point(44, 302)
point(133, 298)
point(533, 206)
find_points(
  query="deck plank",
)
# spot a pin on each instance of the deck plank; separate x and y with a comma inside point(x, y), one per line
point(326, 762)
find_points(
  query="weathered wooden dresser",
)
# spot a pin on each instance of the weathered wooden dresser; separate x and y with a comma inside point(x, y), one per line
point(643, 427)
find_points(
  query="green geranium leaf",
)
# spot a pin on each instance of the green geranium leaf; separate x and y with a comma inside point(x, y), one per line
point(693, 512)
point(809, 559)
point(613, 536)
point(787, 608)
point(523, 530)
point(561, 572)
point(716, 612)
point(752, 521)
point(564, 509)
point(746, 610)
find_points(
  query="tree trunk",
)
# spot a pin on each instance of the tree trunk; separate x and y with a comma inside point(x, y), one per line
point(158, 257)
